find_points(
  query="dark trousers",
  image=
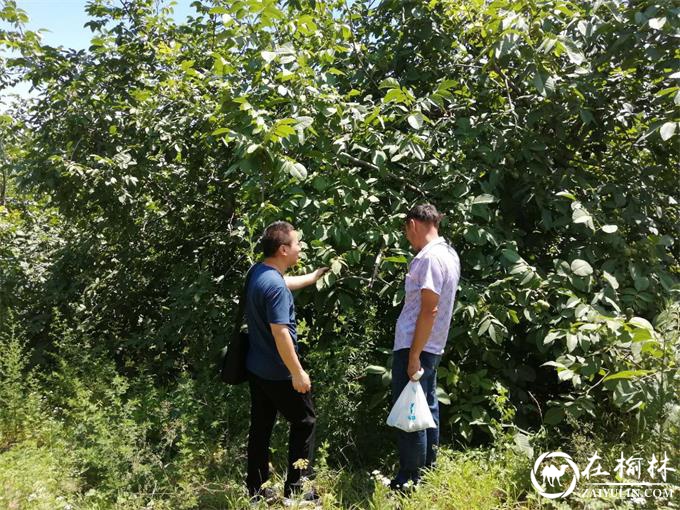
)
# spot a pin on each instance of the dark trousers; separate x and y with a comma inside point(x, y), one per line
point(417, 450)
point(267, 398)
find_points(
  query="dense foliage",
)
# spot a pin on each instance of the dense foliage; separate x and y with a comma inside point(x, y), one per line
point(145, 168)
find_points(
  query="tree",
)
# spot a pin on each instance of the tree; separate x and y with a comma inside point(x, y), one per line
point(544, 131)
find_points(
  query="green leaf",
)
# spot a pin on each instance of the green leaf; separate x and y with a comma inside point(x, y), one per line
point(389, 83)
point(566, 194)
point(554, 415)
point(268, 56)
point(627, 374)
point(572, 341)
point(550, 339)
point(284, 131)
point(657, 23)
point(398, 297)
point(300, 172)
point(294, 168)
point(573, 52)
point(336, 72)
point(483, 327)
point(303, 122)
point(581, 268)
point(523, 445)
point(375, 370)
point(529, 275)
point(641, 283)
point(667, 130)
point(639, 322)
point(395, 95)
point(611, 280)
point(511, 255)
point(493, 334)
point(580, 216)
point(415, 121)
point(586, 116)
point(538, 83)
point(550, 84)
point(336, 266)
point(641, 335)
point(442, 396)
point(565, 375)
point(484, 199)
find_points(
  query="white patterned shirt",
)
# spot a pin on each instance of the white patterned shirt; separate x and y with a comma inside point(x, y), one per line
point(436, 267)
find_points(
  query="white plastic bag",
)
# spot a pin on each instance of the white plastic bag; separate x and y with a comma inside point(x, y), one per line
point(410, 412)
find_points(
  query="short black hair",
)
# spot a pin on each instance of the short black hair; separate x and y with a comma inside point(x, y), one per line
point(427, 213)
point(275, 235)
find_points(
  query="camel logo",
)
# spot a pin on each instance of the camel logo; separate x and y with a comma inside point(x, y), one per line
point(551, 475)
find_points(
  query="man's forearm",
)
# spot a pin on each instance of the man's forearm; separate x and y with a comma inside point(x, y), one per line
point(424, 325)
point(429, 303)
point(286, 349)
point(299, 282)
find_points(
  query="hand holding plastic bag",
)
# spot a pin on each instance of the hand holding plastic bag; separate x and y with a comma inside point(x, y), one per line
point(411, 412)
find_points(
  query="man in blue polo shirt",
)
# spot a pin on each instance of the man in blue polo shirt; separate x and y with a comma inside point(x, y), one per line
point(278, 383)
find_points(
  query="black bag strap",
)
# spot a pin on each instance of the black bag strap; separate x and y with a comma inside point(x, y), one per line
point(241, 308)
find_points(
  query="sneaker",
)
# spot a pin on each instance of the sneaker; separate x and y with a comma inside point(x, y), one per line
point(307, 500)
point(266, 495)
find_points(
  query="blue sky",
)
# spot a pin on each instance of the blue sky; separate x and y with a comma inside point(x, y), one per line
point(65, 20)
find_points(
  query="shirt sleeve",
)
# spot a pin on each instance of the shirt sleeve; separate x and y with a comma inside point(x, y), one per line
point(431, 276)
point(277, 305)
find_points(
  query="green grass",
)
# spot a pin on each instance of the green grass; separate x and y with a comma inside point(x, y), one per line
point(476, 479)
point(37, 477)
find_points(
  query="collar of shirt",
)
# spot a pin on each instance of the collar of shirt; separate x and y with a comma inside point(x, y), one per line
point(428, 246)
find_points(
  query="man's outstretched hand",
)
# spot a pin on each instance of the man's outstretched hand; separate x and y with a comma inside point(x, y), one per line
point(319, 273)
point(300, 282)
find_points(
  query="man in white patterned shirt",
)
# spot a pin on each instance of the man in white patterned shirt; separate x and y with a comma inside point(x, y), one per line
point(422, 330)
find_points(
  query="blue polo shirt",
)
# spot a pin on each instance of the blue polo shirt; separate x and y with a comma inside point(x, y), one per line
point(268, 301)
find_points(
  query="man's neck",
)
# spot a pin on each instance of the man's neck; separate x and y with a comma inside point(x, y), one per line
point(430, 236)
point(276, 264)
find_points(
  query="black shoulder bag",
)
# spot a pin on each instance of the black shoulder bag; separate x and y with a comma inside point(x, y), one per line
point(233, 359)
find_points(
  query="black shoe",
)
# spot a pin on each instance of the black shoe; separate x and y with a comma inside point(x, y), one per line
point(266, 495)
point(402, 487)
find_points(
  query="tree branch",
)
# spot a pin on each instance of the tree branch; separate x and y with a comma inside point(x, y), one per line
point(370, 166)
